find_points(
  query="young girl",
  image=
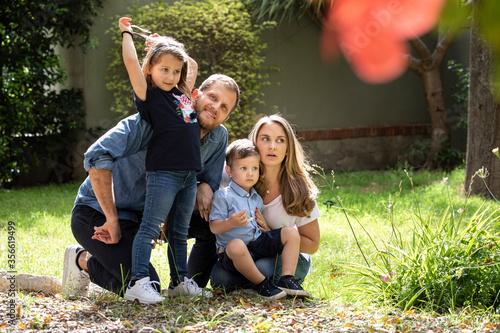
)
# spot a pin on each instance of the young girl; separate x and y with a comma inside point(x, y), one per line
point(162, 89)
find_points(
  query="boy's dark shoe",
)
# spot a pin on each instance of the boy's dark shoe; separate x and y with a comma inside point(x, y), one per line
point(292, 287)
point(269, 291)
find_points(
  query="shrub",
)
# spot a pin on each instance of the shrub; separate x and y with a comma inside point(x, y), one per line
point(29, 105)
point(218, 34)
point(443, 263)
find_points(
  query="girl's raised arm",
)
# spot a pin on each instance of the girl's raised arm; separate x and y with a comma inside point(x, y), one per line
point(192, 73)
point(131, 61)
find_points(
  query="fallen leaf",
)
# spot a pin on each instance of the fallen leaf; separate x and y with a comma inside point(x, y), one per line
point(409, 312)
point(3, 326)
point(348, 325)
point(188, 328)
point(18, 311)
point(22, 325)
point(47, 319)
point(274, 316)
point(340, 315)
point(127, 323)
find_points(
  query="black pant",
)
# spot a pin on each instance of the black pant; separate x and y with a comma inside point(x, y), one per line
point(110, 264)
point(203, 255)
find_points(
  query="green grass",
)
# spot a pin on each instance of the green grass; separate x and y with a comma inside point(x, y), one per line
point(42, 216)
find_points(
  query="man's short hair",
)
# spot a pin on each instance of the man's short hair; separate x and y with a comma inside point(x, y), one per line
point(239, 149)
point(227, 81)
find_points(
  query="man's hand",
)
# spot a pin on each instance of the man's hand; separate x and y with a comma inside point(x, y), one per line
point(204, 196)
point(109, 233)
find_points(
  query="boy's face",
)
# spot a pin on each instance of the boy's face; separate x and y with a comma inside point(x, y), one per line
point(245, 171)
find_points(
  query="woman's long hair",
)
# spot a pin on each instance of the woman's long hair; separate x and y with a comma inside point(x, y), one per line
point(298, 190)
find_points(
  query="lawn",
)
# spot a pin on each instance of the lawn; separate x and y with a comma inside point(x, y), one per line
point(359, 210)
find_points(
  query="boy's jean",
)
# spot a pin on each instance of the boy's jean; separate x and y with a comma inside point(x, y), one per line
point(172, 194)
point(269, 267)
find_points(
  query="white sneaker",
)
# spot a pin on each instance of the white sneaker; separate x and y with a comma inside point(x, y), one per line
point(189, 288)
point(144, 292)
point(75, 280)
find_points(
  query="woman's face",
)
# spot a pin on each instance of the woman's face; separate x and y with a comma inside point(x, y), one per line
point(272, 144)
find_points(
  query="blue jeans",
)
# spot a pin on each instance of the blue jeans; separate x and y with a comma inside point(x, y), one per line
point(269, 267)
point(172, 194)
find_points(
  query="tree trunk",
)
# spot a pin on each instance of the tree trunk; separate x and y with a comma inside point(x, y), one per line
point(427, 67)
point(440, 130)
point(484, 115)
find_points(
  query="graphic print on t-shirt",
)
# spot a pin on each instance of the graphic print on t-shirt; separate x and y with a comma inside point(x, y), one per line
point(185, 108)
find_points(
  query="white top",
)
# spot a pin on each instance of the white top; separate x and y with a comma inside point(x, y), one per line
point(276, 216)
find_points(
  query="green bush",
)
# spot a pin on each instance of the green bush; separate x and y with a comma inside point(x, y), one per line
point(218, 34)
point(30, 108)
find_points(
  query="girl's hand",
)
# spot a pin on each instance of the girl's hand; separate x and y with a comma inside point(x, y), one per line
point(124, 24)
point(261, 221)
point(150, 40)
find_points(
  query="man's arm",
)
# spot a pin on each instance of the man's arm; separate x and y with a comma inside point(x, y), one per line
point(102, 184)
point(128, 137)
point(209, 178)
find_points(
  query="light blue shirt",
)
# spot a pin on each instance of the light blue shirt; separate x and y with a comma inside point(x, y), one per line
point(233, 199)
point(123, 151)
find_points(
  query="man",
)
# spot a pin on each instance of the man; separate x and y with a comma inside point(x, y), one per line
point(110, 202)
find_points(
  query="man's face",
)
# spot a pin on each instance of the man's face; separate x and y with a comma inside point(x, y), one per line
point(214, 105)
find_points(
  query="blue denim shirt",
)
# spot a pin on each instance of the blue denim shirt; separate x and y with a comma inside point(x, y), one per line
point(123, 151)
point(233, 199)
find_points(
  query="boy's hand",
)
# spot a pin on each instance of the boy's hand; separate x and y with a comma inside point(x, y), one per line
point(239, 219)
point(124, 24)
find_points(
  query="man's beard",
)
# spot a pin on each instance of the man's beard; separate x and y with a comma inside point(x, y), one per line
point(204, 126)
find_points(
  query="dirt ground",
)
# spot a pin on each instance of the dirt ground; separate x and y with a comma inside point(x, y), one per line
point(235, 312)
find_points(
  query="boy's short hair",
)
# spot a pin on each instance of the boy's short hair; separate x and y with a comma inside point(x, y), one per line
point(239, 149)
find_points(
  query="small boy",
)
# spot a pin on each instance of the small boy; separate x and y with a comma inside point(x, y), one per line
point(240, 233)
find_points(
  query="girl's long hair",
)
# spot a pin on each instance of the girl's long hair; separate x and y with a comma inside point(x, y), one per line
point(156, 49)
point(298, 190)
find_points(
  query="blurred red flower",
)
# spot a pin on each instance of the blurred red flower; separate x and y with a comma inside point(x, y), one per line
point(372, 34)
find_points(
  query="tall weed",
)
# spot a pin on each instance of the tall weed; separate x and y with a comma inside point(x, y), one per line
point(442, 260)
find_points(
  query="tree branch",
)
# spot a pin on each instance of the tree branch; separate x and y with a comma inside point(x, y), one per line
point(415, 64)
point(421, 48)
point(444, 44)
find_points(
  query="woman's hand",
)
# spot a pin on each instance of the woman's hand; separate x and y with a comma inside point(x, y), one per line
point(261, 221)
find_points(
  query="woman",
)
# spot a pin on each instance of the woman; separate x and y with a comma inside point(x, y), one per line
point(289, 196)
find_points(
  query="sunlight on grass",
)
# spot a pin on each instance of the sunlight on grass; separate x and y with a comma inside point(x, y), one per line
point(42, 216)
